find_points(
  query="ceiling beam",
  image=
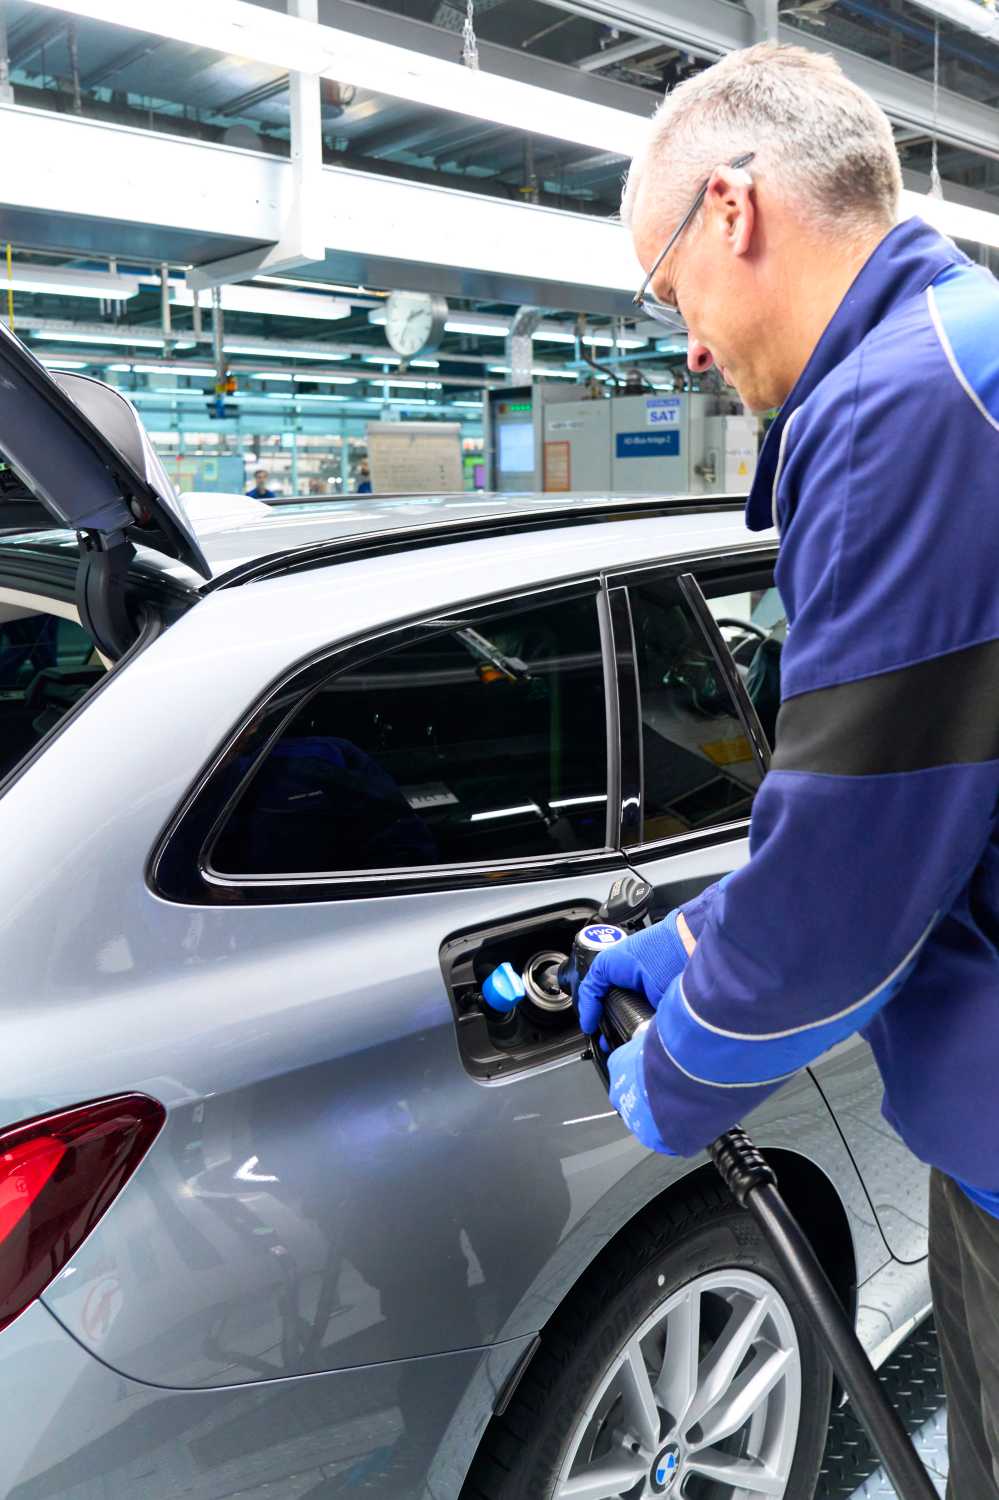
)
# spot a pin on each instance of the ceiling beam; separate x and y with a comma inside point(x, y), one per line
point(611, 56)
point(242, 103)
point(119, 62)
point(710, 28)
point(707, 28)
point(509, 62)
point(30, 37)
point(382, 232)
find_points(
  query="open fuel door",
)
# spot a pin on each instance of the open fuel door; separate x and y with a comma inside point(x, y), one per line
point(80, 449)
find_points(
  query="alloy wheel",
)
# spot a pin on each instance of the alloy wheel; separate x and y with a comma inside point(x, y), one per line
point(701, 1403)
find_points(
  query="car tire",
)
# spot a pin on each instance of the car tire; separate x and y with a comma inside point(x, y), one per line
point(695, 1275)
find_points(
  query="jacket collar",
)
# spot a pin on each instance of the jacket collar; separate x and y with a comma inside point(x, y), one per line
point(907, 260)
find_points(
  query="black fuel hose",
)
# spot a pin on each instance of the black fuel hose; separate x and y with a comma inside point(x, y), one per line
point(753, 1184)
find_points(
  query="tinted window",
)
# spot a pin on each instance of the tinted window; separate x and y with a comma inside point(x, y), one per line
point(46, 664)
point(698, 764)
point(754, 626)
point(483, 743)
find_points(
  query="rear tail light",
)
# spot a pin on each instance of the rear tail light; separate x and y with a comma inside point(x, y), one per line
point(58, 1174)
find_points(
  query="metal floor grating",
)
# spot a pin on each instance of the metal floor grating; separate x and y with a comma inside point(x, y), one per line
point(912, 1377)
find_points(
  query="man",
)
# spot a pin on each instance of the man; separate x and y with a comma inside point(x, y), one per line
point(764, 209)
point(364, 478)
point(260, 490)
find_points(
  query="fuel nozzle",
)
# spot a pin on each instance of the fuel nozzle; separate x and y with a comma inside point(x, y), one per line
point(588, 942)
point(624, 906)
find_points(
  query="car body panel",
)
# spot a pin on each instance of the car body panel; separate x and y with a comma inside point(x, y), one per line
point(78, 1428)
point(334, 1204)
point(897, 1181)
point(385, 518)
point(350, 1106)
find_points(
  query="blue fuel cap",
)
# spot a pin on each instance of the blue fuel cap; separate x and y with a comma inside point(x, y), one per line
point(504, 989)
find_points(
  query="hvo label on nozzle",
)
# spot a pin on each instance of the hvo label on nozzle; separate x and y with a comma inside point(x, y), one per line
point(601, 935)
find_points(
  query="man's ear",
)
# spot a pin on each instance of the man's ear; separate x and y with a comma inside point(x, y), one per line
point(731, 204)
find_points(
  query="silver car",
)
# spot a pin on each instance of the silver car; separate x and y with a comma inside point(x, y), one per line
point(287, 1207)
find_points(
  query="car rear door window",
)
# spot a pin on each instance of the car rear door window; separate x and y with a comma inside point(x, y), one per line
point(47, 663)
point(479, 743)
point(698, 764)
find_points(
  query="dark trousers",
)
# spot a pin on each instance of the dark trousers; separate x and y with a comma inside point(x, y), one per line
point(964, 1273)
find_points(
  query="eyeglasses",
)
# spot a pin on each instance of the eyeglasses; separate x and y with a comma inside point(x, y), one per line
point(668, 313)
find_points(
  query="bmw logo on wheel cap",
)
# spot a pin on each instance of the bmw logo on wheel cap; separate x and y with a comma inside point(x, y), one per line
point(667, 1467)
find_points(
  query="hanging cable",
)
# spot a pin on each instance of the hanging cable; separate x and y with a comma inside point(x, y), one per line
point(10, 287)
point(469, 44)
point(936, 186)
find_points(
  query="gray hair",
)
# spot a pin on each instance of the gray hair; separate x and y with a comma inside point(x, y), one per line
point(819, 140)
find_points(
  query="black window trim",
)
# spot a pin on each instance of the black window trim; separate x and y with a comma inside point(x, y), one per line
point(628, 715)
point(179, 868)
point(696, 600)
point(721, 564)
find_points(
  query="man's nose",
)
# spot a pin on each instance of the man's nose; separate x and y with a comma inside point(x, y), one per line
point(699, 356)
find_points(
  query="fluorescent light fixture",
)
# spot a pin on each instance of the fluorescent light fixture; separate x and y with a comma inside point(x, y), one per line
point(546, 334)
point(489, 324)
point(424, 364)
point(412, 385)
point(271, 374)
point(263, 350)
point(321, 377)
point(289, 43)
point(166, 368)
point(65, 364)
point(478, 407)
point(957, 220)
point(172, 390)
point(497, 330)
point(538, 370)
point(317, 286)
point(382, 359)
point(137, 341)
point(607, 341)
point(262, 300)
point(162, 395)
point(59, 281)
point(302, 396)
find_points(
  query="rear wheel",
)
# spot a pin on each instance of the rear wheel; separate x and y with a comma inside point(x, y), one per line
point(684, 1366)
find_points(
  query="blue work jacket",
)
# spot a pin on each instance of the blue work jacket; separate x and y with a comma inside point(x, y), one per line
point(871, 899)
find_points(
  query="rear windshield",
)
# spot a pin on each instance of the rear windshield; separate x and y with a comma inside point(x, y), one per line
point(47, 663)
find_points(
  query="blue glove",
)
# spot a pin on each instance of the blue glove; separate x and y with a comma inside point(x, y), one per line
point(648, 962)
point(627, 1092)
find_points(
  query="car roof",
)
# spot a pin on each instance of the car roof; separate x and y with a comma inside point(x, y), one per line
point(329, 526)
point(240, 543)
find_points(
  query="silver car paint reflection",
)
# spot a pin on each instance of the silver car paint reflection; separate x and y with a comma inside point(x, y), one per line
point(332, 1192)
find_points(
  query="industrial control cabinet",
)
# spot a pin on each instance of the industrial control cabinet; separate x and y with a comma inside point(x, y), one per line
point(544, 438)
